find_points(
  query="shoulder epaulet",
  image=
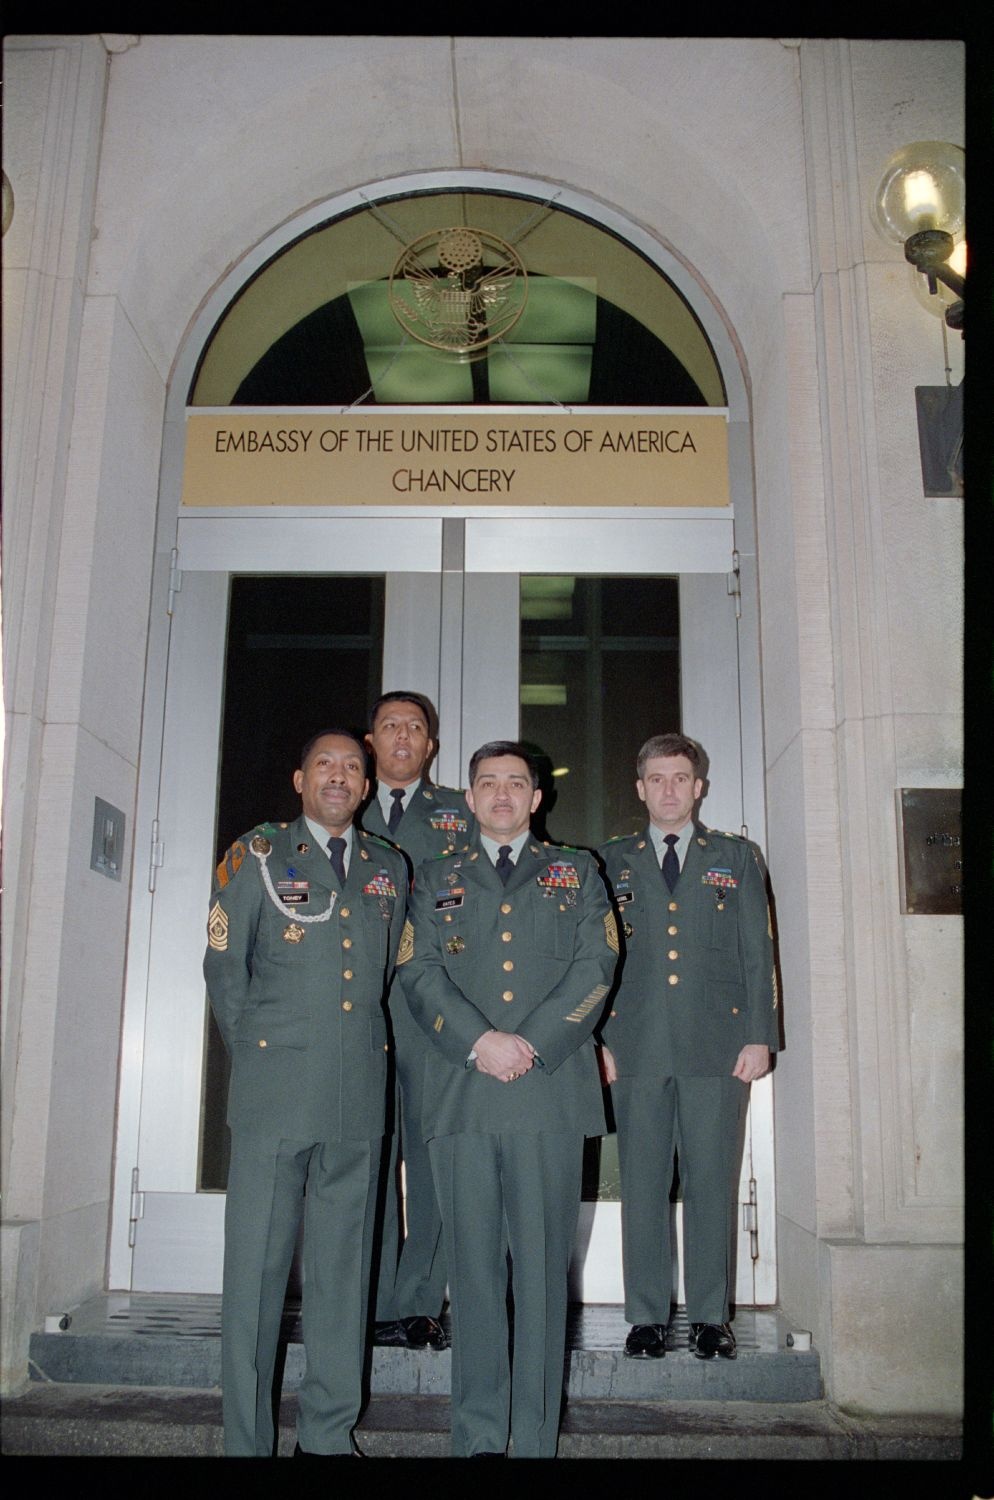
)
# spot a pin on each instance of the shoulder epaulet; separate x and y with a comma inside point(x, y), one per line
point(448, 854)
point(376, 838)
point(721, 833)
point(564, 848)
point(620, 838)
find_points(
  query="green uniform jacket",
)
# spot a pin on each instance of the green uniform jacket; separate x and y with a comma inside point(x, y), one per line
point(535, 957)
point(697, 982)
point(304, 1020)
point(437, 821)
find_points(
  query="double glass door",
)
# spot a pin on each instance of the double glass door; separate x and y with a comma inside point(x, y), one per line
point(496, 622)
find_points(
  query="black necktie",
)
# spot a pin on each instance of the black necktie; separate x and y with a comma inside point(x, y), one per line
point(671, 865)
point(505, 864)
point(397, 810)
point(336, 848)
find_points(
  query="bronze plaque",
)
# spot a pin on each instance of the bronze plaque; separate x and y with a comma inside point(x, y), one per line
point(932, 844)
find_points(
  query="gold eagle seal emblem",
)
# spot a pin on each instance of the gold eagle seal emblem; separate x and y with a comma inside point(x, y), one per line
point(458, 289)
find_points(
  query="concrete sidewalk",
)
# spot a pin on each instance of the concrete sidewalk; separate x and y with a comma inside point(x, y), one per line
point(161, 1422)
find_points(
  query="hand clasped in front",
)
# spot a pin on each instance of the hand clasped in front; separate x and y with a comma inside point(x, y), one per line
point(503, 1055)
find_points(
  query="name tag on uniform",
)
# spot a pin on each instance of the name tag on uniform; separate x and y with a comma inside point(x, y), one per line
point(447, 900)
point(621, 897)
point(293, 892)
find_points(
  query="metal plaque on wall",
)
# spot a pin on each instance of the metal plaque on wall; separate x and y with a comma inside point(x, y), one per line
point(932, 847)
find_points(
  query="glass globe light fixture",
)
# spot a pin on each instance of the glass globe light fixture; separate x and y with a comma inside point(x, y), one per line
point(920, 204)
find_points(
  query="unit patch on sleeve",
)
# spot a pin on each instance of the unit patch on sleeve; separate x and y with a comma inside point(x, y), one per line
point(217, 928)
point(228, 868)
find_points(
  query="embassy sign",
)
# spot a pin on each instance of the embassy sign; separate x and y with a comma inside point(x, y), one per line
point(658, 456)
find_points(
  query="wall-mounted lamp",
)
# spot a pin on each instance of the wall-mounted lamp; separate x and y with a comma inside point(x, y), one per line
point(920, 205)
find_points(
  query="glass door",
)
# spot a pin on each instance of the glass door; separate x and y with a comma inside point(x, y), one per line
point(507, 643)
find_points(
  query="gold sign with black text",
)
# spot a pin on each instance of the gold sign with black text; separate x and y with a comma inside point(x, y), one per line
point(239, 457)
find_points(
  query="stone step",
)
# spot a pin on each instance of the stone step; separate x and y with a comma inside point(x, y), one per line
point(142, 1422)
point(157, 1340)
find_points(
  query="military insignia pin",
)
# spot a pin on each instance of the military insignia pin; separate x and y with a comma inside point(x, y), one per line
point(303, 848)
point(260, 845)
point(293, 934)
point(455, 945)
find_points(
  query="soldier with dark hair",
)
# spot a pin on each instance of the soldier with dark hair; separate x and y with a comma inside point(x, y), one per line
point(506, 964)
point(302, 937)
point(423, 820)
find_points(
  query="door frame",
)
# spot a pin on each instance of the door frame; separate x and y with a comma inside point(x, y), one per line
point(172, 527)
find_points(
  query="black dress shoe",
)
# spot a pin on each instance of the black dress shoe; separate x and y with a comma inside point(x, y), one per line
point(708, 1339)
point(646, 1341)
point(424, 1333)
point(392, 1335)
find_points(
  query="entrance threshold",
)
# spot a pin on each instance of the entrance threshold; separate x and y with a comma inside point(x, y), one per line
point(174, 1340)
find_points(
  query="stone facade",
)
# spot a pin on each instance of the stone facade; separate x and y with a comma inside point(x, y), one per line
point(143, 169)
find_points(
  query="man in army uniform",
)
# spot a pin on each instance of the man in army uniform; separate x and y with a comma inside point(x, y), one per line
point(423, 820)
point(506, 964)
point(693, 1023)
point(302, 937)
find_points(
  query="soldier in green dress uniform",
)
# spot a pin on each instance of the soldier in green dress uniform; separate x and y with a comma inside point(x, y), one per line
point(423, 820)
point(693, 1023)
point(303, 933)
point(506, 963)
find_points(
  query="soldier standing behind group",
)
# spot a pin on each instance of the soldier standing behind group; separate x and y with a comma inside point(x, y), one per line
point(423, 820)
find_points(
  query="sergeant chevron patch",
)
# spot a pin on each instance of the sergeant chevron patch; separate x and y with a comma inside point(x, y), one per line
point(217, 928)
point(611, 931)
point(406, 944)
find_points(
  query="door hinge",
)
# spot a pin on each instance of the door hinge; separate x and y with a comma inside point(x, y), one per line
point(733, 585)
point(137, 1209)
point(175, 580)
point(157, 855)
point(750, 1220)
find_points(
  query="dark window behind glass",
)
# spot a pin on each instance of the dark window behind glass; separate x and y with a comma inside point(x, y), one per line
point(303, 654)
point(600, 673)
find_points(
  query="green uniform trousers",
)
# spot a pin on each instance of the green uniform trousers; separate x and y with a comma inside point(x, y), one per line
point(701, 1119)
point(412, 1273)
point(518, 1193)
point(267, 1182)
